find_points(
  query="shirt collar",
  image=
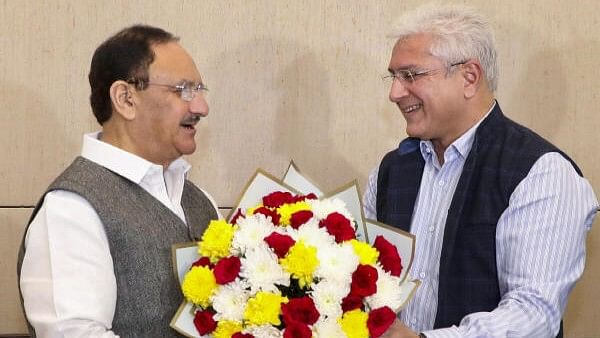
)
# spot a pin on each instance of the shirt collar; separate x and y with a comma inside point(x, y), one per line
point(462, 145)
point(124, 163)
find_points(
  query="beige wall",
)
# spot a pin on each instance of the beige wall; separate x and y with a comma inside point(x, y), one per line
point(289, 80)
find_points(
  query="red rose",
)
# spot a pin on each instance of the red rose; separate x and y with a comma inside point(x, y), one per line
point(277, 198)
point(280, 244)
point(227, 269)
point(364, 281)
point(301, 310)
point(297, 330)
point(203, 261)
point(310, 196)
point(269, 213)
point(301, 198)
point(388, 256)
point(237, 215)
point(338, 226)
point(380, 320)
point(352, 302)
point(204, 322)
point(300, 217)
point(242, 335)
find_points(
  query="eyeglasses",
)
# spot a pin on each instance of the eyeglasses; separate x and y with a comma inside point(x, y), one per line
point(409, 76)
point(187, 90)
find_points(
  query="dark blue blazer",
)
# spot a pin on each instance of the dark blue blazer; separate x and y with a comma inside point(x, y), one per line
point(502, 154)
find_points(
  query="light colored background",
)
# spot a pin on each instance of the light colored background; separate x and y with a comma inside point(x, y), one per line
point(289, 80)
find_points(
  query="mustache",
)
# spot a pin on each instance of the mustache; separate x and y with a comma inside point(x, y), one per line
point(192, 119)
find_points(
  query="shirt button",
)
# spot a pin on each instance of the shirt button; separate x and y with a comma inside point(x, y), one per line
point(441, 183)
point(431, 228)
point(422, 275)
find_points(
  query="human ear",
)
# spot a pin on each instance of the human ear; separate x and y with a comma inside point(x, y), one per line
point(472, 74)
point(122, 99)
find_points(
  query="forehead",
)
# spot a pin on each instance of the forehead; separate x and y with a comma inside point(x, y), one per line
point(173, 63)
point(411, 51)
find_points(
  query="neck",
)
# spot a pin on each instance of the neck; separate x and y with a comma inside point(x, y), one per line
point(473, 114)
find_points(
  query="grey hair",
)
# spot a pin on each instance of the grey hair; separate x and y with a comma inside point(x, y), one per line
point(459, 33)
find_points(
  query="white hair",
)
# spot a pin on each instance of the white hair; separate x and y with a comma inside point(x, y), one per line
point(459, 33)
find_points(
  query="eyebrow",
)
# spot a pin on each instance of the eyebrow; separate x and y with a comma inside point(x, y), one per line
point(190, 82)
point(403, 68)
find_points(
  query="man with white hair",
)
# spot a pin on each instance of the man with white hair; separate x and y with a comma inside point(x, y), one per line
point(500, 214)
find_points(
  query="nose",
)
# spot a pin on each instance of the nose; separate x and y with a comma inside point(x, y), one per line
point(198, 105)
point(398, 90)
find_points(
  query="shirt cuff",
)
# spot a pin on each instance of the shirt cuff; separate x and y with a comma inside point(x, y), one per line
point(449, 332)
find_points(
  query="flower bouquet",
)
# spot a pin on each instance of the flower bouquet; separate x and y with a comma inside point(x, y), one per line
point(289, 264)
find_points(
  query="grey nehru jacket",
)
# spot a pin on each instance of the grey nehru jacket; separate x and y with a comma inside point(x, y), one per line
point(140, 232)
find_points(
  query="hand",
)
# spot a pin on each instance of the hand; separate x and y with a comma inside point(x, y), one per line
point(399, 330)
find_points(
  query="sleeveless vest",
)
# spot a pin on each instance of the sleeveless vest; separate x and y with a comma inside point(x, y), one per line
point(140, 231)
point(502, 154)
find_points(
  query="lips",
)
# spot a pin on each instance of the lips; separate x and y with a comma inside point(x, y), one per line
point(189, 126)
point(406, 109)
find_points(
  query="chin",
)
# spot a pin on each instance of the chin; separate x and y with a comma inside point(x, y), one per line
point(188, 152)
point(415, 132)
point(411, 133)
point(187, 149)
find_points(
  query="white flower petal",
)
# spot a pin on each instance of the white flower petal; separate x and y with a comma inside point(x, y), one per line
point(337, 262)
point(328, 328)
point(264, 331)
point(328, 296)
point(388, 291)
point(262, 271)
point(322, 208)
point(229, 301)
point(312, 235)
point(251, 232)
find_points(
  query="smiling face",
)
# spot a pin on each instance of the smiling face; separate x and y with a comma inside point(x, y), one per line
point(433, 105)
point(165, 124)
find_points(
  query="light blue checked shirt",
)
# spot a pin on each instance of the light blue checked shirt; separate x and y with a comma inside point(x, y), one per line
point(540, 244)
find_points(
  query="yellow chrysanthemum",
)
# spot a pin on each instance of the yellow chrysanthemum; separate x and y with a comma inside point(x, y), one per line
point(301, 261)
point(226, 329)
point(367, 254)
point(287, 210)
point(198, 285)
point(216, 241)
point(264, 308)
point(354, 324)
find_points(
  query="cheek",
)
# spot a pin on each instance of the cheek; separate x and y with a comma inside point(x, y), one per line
point(169, 117)
point(437, 98)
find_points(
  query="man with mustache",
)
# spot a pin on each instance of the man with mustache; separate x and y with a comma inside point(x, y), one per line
point(95, 260)
point(500, 214)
